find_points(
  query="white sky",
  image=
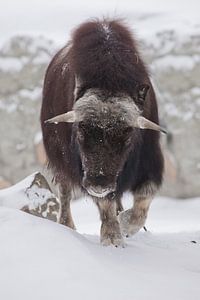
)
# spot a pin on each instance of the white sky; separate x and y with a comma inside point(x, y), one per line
point(56, 18)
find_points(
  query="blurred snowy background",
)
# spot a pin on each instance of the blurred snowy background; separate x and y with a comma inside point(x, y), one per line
point(169, 36)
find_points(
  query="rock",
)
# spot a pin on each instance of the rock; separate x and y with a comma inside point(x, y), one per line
point(32, 195)
point(50, 208)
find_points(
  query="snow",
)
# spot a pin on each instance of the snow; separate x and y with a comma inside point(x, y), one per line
point(42, 58)
point(41, 259)
point(38, 138)
point(146, 16)
point(10, 108)
point(195, 91)
point(32, 94)
point(20, 147)
point(11, 64)
point(176, 62)
point(106, 30)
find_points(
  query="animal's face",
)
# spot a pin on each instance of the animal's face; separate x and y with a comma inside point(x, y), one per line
point(104, 129)
point(103, 145)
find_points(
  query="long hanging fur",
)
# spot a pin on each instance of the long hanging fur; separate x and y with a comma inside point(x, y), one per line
point(102, 55)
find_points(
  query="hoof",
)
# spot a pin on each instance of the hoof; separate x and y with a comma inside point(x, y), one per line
point(113, 242)
point(129, 223)
point(111, 234)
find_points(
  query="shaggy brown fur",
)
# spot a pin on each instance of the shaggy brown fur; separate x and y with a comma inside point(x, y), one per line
point(103, 149)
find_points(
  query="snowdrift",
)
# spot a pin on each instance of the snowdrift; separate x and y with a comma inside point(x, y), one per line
point(41, 259)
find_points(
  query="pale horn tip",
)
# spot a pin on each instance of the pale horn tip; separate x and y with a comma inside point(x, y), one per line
point(50, 121)
point(163, 130)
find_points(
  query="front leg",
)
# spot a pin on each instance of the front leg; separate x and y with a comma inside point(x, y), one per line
point(110, 228)
point(132, 220)
point(119, 206)
point(65, 196)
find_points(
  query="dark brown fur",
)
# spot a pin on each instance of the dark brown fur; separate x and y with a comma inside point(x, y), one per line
point(104, 56)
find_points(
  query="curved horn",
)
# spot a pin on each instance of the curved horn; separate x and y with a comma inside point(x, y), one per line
point(144, 123)
point(68, 117)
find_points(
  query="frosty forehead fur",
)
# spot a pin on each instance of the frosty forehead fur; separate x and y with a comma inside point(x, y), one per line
point(105, 109)
point(120, 107)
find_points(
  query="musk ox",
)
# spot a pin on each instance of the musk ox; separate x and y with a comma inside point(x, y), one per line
point(100, 127)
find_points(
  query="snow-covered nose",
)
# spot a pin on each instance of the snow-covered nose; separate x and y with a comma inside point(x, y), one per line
point(98, 186)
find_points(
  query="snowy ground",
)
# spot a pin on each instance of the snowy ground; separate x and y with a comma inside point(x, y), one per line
point(40, 259)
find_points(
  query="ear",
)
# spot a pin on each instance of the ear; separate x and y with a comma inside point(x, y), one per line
point(142, 92)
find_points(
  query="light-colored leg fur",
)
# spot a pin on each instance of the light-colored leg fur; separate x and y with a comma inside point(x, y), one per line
point(119, 206)
point(132, 220)
point(65, 195)
point(110, 228)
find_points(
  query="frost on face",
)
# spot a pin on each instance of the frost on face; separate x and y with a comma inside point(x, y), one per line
point(101, 172)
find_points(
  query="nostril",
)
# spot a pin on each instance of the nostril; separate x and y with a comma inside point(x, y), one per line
point(100, 179)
